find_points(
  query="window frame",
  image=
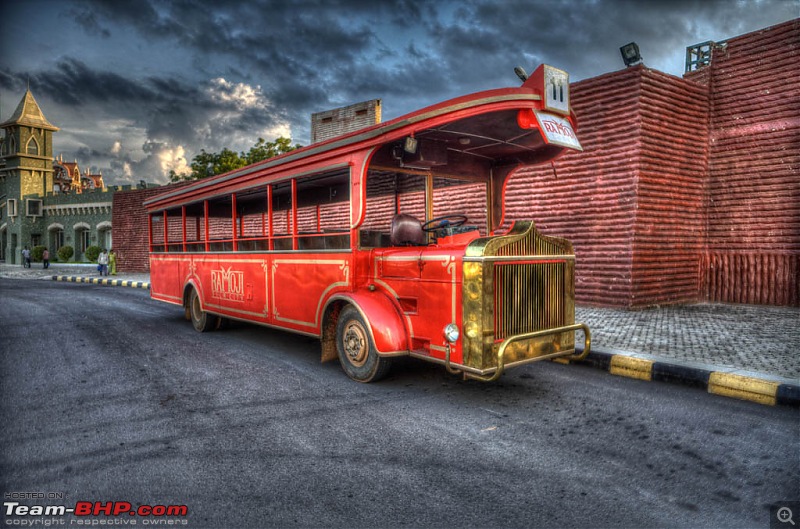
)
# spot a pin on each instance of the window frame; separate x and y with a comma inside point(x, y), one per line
point(228, 217)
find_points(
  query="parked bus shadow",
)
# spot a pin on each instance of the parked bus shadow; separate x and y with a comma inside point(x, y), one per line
point(531, 381)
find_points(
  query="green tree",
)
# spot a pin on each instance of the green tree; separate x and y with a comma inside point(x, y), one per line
point(211, 163)
point(37, 253)
point(91, 253)
point(264, 150)
point(64, 253)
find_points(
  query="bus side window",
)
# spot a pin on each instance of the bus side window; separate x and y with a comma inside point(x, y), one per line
point(220, 224)
point(454, 197)
point(252, 220)
point(195, 228)
point(390, 193)
point(282, 216)
point(175, 230)
point(323, 211)
point(157, 232)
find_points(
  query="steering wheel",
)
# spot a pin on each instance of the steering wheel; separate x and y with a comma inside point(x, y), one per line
point(446, 221)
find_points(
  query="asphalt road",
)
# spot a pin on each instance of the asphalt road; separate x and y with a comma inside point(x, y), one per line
point(110, 396)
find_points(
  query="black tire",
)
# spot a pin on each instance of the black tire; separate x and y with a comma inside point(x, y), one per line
point(201, 320)
point(357, 353)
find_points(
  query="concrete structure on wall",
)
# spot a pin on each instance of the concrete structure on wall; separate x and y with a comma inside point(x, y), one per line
point(46, 201)
point(331, 123)
point(687, 189)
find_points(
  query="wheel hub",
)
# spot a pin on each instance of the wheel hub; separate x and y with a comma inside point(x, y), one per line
point(355, 344)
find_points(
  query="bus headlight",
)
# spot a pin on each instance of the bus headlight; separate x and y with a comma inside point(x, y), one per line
point(451, 332)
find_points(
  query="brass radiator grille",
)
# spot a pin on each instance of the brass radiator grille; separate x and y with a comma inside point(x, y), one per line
point(529, 296)
point(515, 285)
point(534, 244)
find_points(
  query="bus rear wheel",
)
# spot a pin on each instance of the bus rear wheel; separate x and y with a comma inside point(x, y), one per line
point(201, 320)
point(357, 352)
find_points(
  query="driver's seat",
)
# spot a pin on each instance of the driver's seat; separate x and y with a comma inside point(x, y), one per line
point(406, 231)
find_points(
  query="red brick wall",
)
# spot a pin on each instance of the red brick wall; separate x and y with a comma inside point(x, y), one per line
point(590, 197)
point(754, 189)
point(129, 219)
point(670, 214)
point(687, 189)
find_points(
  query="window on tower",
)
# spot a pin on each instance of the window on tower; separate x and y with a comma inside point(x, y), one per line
point(33, 147)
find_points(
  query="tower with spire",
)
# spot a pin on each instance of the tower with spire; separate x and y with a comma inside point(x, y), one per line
point(45, 201)
point(26, 166)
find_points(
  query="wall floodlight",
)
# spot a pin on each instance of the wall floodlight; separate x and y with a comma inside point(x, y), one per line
point(521, 73)
point(410, 145)
point(630, 54)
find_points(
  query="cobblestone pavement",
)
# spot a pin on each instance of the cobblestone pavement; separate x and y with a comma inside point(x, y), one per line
point(754, 338)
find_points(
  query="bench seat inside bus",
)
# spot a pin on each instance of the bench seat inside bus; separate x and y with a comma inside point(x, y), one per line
point(374, 239)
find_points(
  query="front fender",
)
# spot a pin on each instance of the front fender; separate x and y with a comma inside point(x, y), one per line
point(383, 317)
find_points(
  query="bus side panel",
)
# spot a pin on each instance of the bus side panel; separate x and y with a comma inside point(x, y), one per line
point(166, 279)
point(439, 303)
point(285, 290)
point(427, 286)
point(302, 283)
point(235, 286)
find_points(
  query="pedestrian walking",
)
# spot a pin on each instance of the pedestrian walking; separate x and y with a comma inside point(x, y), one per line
point(26, 258)
point(102, 261)
point(112, 262)
point(46, 258)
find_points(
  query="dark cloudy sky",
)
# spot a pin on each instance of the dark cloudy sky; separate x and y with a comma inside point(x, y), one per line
point(139, 87)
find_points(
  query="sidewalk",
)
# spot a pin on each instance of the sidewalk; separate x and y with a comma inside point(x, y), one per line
point(65, 269)
point(750, 352)
point(743, 351)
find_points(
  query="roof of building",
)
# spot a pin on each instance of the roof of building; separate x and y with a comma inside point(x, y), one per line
point(28, 113)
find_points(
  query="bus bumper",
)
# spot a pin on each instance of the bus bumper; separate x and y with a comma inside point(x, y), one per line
point(492, 374)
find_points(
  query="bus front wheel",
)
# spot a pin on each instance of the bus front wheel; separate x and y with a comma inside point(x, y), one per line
point(357, 353)
point(201, 320)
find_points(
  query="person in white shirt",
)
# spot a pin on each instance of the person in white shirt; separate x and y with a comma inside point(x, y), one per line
point(102, 260)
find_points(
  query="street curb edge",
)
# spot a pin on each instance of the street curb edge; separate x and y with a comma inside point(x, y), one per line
point(105, 282)
point(716, 380)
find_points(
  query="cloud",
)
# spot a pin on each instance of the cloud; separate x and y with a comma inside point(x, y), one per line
point(126, 166)
point(161, 159)
point(73, 82)
point(240, 95)
point(88, 21)
point(143, 86)
point(241, 113)
point(103, 114)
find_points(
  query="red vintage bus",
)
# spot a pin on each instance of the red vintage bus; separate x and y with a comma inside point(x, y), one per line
point(387, 241)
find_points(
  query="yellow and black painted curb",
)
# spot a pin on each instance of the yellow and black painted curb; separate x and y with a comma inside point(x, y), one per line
point(727, 382)
point(103, 281)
